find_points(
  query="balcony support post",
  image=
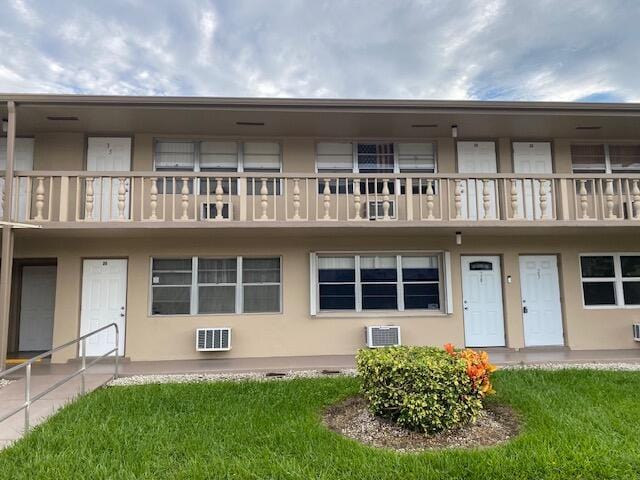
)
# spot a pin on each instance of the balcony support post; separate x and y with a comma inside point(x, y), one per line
point(6, 265)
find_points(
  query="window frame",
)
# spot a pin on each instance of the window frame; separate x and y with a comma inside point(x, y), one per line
point(239, 285)
point(354, 154)
point(240, 143)
point(607, 157)
point(443, 278)
point(618, 280)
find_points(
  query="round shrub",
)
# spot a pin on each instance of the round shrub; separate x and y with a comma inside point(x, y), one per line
point(424, 388)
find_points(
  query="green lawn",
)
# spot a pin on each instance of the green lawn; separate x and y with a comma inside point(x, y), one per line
point(578, 424)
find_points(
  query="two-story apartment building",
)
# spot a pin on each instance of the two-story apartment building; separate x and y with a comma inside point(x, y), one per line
point(298, 223)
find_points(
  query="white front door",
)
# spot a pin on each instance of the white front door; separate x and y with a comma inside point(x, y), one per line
point(482, 301)
point(541, 310)
point(109, 154)
point(37, 303)
point(104, 295)
point(23, 162)
point(477, 159)
point(533, 158)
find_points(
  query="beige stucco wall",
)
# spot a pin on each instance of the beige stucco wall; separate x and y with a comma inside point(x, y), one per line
point(67, 151)
point(295, 331)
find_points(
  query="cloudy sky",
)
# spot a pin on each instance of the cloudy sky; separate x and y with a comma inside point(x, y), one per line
point(486, 49)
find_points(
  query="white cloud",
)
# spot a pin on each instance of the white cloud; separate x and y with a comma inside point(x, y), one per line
point(491, 49)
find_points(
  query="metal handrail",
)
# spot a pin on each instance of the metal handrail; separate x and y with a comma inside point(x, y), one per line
point(29, 399)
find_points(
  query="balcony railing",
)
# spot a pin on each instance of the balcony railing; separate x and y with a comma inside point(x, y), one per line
point(88, 198)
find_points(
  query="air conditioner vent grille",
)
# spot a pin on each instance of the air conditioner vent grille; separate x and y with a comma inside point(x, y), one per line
point(383, 336)
point(213, 339)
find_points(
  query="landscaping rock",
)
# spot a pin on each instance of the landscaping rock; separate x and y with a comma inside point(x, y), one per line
point(351, 418)
point(220, 377)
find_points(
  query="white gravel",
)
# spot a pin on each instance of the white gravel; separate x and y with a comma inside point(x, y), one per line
point(613, 366)
point(290, 374)
point(226, 377)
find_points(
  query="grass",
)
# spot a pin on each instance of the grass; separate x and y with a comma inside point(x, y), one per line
point(578, 424)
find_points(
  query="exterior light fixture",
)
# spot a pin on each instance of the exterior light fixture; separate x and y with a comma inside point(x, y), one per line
point(454, 131)
point(458, 238)
point(5, 125)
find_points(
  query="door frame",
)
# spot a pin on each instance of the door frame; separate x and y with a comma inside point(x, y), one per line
point(15, 306)
point(87, 136)
point(534, 140)
point(502, 290)
point(123, 331)
point(563, 314)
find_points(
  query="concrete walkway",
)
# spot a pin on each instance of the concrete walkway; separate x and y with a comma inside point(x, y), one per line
point(12, 396)
point(45, 375)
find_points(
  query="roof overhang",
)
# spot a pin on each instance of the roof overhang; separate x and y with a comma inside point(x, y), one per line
point(321, 117)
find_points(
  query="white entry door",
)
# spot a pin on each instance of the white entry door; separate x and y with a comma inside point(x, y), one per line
point(542, 313)
point(482, 301)
point(533, 158)
point(477, 158)
point(109, 154)
point(104, 295)
point(37, 303)
point(23, 162)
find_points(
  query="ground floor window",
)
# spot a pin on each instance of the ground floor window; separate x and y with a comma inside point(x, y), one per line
point(203, 285)
point(610, 280)
point(385, 281)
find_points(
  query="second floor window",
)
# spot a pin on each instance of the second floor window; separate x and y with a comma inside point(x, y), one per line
point(605, 158)
point(374, 158)
point(216, 156)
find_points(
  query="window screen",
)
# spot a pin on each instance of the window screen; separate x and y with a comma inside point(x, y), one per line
point(588, 159)
point(217, 285)
point(261, 284)
point(171, 286)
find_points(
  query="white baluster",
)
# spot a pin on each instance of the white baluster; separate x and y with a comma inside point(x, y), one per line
point(430, 200)
point(184, 192)
point(122, 196)
point(219, 202)
point(327, 199)
point(609, 198)
point(88, 199)
point(515, 210)
point(385, 199)
point(486, 198)
point(39, 198)
point(457, 199)
point(357, 200)
point(153, 199)
point(296, 199)
point(264, 199)
point(543, 199)
point(584, 202)
point(636, 200)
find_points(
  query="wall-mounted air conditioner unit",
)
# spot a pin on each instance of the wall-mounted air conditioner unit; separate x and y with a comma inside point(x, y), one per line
point(375, 210)
point(213, 339)
point(383, 336)
point(209, 211)
point(636, 332)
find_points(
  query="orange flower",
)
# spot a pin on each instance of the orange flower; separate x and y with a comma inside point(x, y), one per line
point(449, 348)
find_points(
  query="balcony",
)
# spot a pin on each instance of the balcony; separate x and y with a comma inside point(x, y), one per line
point(176, 199)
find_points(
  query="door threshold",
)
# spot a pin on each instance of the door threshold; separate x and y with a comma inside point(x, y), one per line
point(545, 348)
